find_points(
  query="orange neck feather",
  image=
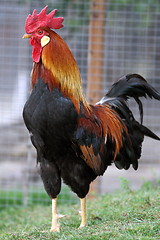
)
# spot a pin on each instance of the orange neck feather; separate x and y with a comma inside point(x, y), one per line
point(58, 69)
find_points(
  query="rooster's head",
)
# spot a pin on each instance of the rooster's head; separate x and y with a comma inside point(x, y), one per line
point(37, 27)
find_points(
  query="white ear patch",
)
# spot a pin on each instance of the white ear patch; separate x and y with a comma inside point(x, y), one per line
point(45, 40)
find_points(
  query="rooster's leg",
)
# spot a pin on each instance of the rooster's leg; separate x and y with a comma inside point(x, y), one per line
point(55, 225)
point(83, 213)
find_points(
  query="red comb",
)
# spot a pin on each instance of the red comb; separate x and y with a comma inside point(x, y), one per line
point(43, 19)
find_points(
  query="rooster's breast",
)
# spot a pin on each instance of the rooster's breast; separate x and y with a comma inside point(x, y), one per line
point(50, 118)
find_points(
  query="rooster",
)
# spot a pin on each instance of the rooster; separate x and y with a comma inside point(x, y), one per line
point(77, 141)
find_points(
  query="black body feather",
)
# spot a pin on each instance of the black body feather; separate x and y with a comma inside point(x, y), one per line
point(52, 121)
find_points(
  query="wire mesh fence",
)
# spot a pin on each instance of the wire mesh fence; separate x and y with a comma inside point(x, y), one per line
point(108, 39)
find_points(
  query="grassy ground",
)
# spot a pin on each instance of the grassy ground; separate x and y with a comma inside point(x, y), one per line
point(15, 197)
point(122, 215)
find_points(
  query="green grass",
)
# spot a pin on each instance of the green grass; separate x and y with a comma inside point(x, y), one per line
point(35, 196)
point(123, 215)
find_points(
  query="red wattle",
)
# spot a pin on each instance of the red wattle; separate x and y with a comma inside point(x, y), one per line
point(36, 50)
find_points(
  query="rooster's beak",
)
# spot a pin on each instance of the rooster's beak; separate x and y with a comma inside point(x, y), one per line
point(27, 36)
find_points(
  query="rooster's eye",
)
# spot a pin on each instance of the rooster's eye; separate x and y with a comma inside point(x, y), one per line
point(40, 32)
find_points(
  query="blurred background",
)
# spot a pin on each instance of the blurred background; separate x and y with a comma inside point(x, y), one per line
point(108, 39)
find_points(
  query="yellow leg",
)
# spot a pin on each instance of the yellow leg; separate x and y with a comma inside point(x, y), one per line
point(55, 225)
point(83, 213)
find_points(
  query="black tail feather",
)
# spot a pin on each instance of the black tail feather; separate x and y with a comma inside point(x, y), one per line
point(130, 86)
point(133, 85)
point(140, 109)
point(147, 132)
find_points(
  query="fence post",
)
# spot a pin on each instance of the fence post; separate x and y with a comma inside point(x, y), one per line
point(95, 50)
point(95, 61)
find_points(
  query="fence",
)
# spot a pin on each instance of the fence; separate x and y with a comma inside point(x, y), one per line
point(108, 39)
